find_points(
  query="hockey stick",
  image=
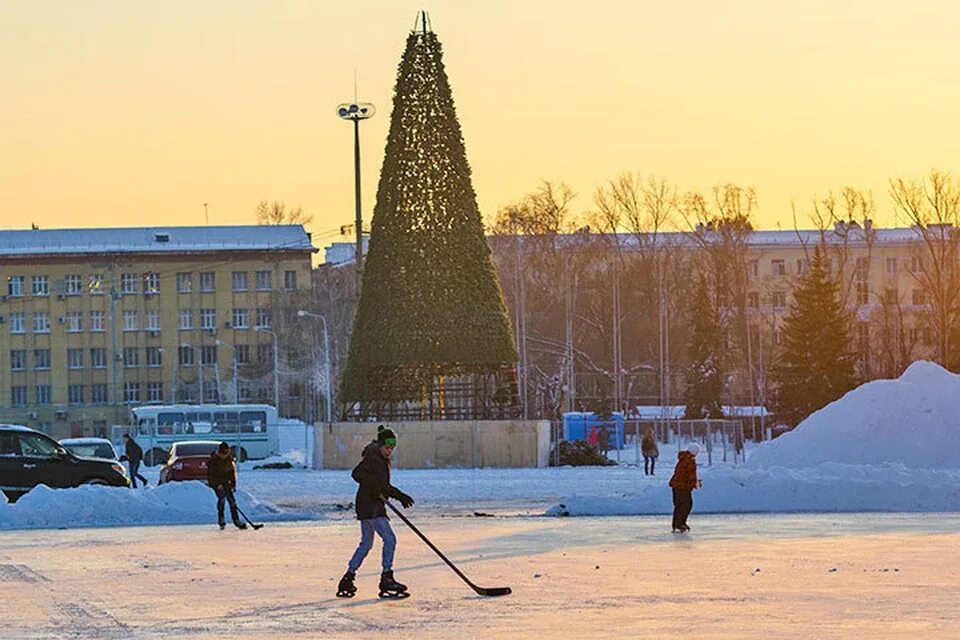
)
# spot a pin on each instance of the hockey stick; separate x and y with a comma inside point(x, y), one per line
point(255, 526)
point(483, 591)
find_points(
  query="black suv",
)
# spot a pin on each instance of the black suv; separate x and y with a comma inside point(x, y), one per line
point(29, 458)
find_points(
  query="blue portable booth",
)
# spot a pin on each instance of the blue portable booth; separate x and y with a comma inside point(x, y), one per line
point(578, 425)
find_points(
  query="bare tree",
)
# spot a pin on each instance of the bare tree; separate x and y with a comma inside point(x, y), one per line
point(276, 212)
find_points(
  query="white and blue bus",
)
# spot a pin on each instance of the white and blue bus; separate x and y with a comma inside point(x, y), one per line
point(251, 429)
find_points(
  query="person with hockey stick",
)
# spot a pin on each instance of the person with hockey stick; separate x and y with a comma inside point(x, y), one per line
point(222, 478)
point(134, 455)
point(683, 482)
point(372, 475)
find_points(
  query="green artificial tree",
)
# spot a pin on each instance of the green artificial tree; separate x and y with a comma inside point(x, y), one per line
point(431, 315)
point(704, 377)
point(816, 365)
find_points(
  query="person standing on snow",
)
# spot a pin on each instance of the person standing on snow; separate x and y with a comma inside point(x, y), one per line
point(683, 482)
point(648, 447)
point(373, 476)
point(222, 478)
point(134, 456)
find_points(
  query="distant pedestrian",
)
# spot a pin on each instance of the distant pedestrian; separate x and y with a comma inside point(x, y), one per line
point(134, 456)
point(373, 476)
point(603, 440)
point(222, 478)
point(648, 447)
point(683, 482)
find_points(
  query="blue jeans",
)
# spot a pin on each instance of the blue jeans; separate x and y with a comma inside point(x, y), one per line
point(134, 466)
point(382, 528)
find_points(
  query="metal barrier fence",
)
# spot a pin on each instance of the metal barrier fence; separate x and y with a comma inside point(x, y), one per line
point(723, 439)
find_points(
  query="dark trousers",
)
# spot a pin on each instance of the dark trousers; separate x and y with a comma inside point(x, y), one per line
point(134, 466)
point(682, 505)
point(226, 493)
point(648, 463)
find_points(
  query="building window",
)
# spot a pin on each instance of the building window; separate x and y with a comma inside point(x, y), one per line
point(40, 285)
point(154, 357)
point(154, 392)
point(753, 268)
point(15, 286)
point(41, 359)
point(98, 358)
point(861, 269)
point(41, 322)
point(95, 284)
point(208, 354)
point(290, 280)
point(753, 299)
point(802, 265)
point(264, 281)
point(184, 282)
point(779, 268)
point(777, 337)
point(151, 283)
point(779, 300)
point(208, 281)
point(915, 264)
point(863, 293)
point(239, 280)
point(263, 318)
point(74, 321)
point(153, 320)
point(73, 285)
point(131, 392)
point(186, 319)
point(892, 265)
point(265, 353)
point(918, 298)
point(243, 353)
point(129, 320)
point(208, 318)
point(128, 283)
point(891, 295)
point(185, 355)
point(18, 396)
point(131, 357)
point(75, 394)
point(96, 321)
point(914, 334)
point(244, 392)
point(211, 395)
point(98, 393)
point(44, 395)
point(18, 359)
point(74, 358)
point(16, 323)
point(241, 318)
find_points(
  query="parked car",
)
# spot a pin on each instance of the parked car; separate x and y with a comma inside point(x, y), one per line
point(29, 458)
point(90, 448)
point(187, 460)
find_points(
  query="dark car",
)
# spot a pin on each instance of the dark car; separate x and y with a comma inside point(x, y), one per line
point(188, 461)
point(29, 458)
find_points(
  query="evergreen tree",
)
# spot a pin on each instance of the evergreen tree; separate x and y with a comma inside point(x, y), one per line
point(816, 365)
point(430, 303)
point(704, 378)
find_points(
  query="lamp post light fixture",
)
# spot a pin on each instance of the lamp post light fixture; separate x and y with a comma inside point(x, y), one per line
point(276, 366)
point(357, 111)
point(326, 361)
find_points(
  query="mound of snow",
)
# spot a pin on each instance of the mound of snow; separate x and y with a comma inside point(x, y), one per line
point(912, 421)
point(98, 506)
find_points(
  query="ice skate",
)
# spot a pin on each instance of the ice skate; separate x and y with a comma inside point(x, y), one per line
point(390, 588)
point(346, 588)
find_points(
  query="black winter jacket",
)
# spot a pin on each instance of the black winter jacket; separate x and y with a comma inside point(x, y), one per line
point(373, 476)
point(221, 470)
point(133, 451)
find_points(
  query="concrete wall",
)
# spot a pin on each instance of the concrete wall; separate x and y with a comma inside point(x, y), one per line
point(447, 443)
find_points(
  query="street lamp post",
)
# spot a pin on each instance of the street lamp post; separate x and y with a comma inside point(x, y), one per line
point(326, 361)
point(276, 367)
point(356, 112)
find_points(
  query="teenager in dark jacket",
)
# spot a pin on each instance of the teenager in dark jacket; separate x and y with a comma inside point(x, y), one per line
point(222, 478)
point(373, 476)
point(648, 447)
point(134, 455)
point(683, 482)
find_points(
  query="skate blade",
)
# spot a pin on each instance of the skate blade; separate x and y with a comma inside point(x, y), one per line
point(394, 595)
point(346, 594)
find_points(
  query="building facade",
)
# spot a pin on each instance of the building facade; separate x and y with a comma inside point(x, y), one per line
point(93, 321)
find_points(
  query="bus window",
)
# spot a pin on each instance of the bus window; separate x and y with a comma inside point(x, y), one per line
point(253, 421)
point(198, 416)
point(170, 418)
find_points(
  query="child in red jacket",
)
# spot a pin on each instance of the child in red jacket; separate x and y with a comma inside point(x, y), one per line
point(683, 482)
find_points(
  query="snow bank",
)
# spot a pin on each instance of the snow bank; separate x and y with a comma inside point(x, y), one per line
point(98, 506)
point(913, 421)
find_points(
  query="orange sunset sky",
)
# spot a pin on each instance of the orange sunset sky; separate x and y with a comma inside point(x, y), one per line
point(118, 113)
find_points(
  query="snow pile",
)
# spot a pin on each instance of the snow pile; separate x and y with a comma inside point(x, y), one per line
point(98, 506)
point(913, 421)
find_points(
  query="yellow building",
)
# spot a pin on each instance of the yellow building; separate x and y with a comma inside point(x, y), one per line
point(95, 320)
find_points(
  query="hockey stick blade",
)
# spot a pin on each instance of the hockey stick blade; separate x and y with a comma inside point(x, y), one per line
point(256, 527)
point(482, 591)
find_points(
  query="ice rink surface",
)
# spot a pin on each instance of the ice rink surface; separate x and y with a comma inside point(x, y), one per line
point(734, 576)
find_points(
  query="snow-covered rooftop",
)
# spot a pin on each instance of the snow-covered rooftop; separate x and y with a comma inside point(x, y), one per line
point(154, 240)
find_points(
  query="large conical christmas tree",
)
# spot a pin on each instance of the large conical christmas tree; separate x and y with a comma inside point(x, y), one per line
point(432, 335)
point(704, 382)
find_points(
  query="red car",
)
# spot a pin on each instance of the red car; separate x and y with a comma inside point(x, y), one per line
point(187, 461)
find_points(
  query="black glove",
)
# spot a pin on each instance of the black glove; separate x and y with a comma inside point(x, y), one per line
point(405, 500)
